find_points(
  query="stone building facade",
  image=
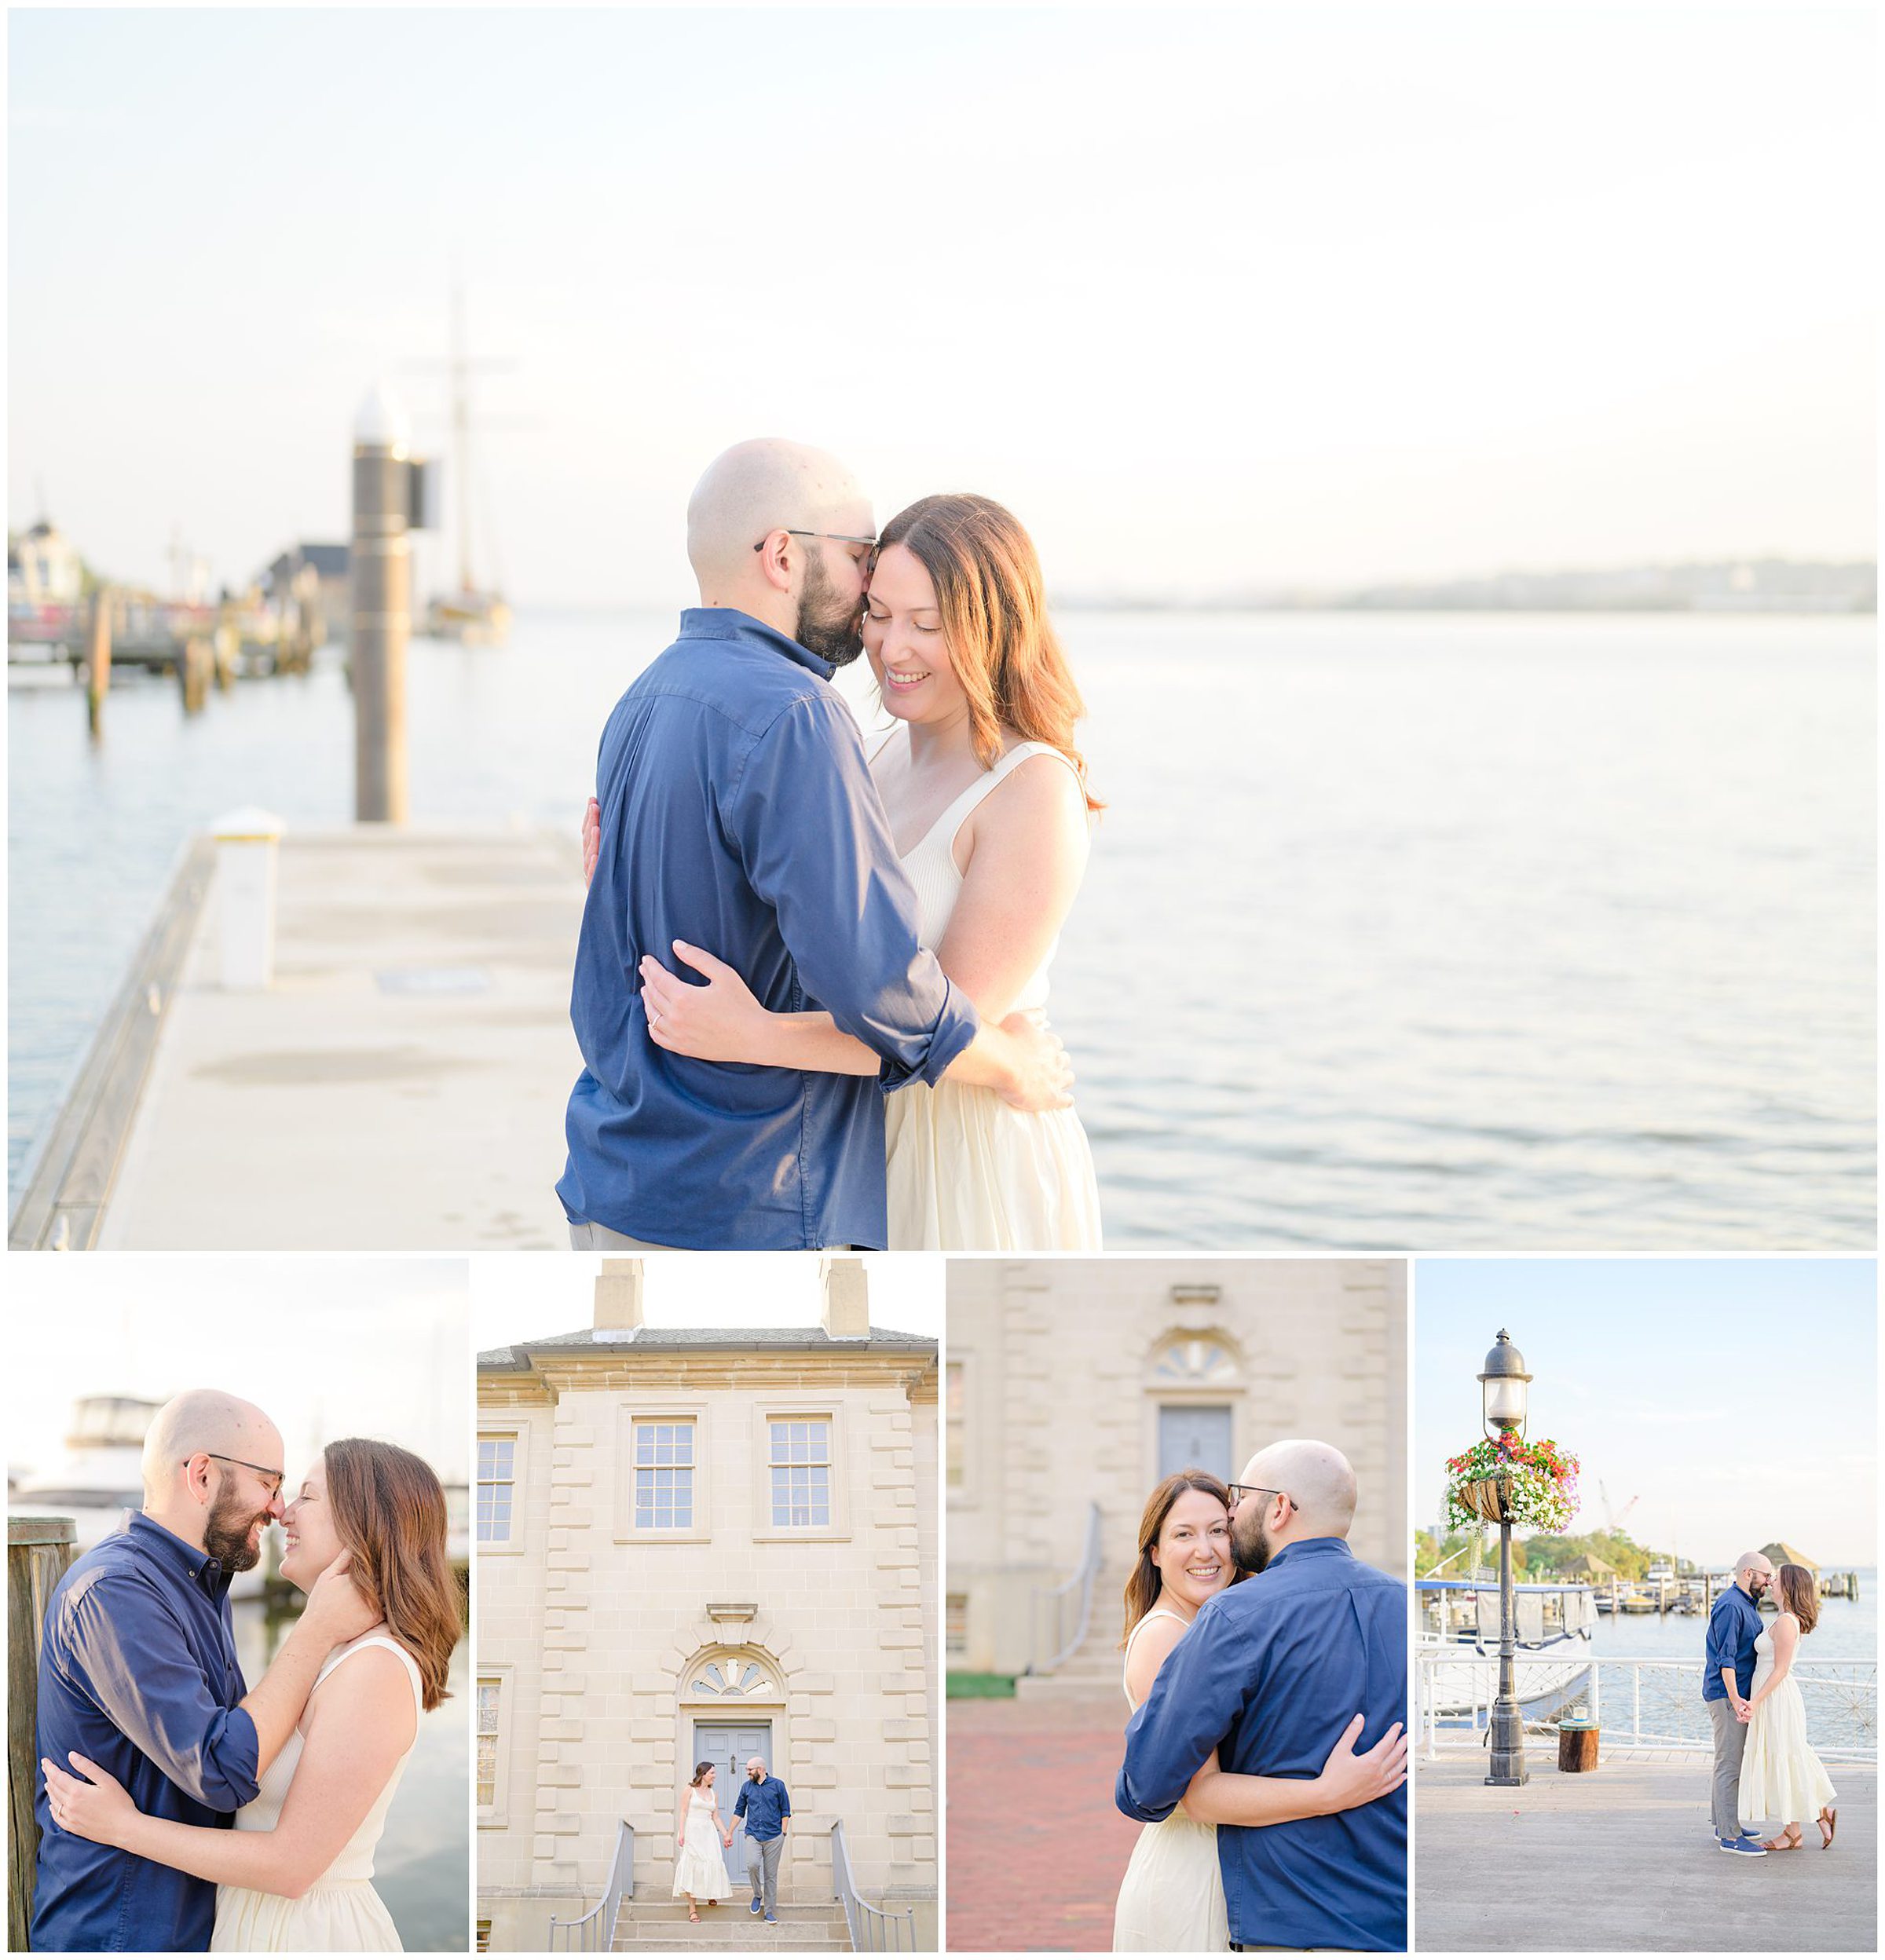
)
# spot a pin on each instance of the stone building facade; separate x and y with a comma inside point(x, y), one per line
point(1070, 1384)
point(704, 1543)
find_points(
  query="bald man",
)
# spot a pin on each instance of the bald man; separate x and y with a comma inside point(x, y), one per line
point(1270, 1675)
point(1734, 1625)
point(138, 1674)
point(737, 817)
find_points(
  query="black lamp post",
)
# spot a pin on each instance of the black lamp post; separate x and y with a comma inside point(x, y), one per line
point(1502, 1387)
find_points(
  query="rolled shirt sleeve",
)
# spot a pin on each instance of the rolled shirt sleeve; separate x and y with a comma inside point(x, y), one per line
point(130, 1647)
point(817, 848)
point(1197, 1695)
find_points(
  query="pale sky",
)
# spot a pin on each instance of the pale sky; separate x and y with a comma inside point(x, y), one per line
point(329, 1347)
point(519, 1296)
point(1735, 1400)
point(1287, 295)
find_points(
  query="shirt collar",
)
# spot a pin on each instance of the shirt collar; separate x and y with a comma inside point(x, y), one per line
point(728, 622)
point(1311, 1549)
point(192, 1560)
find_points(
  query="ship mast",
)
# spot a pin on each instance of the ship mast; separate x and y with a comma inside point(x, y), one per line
point(461, 429)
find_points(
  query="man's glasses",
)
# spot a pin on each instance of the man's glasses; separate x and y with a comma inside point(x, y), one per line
point(1239, 1491)
point(272, 1477)
point(836, 537)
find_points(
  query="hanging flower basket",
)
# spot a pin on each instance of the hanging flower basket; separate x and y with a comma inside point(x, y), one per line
point(1510, 1481)
point(1492, 1498)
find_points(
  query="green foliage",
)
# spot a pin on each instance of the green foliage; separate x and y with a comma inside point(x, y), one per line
point(1546, 1552)
point(979, 1688)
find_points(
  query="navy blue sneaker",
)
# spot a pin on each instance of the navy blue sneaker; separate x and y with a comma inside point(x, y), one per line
point(1743, 1847)
point(754, 1906)
point(770, 1921)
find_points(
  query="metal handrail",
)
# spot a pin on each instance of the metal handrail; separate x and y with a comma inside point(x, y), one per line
point(1080, 1584)
point(872, 1929)
point(1855, 1677)
point(595, 1932)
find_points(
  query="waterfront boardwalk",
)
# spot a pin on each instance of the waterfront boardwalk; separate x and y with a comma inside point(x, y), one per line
point(1036, 1848)
point(1621, 1858)
point(401, 1085)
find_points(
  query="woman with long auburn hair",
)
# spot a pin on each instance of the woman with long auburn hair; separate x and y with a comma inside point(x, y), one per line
point(295, 1875)
point(1783, 1781)
point(990, 813)
point(1171, 1899)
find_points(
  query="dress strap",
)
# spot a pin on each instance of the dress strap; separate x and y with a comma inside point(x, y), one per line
point(379, 1640)
point(952, 820)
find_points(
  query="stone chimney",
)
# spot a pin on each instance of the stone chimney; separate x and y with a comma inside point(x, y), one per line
point(846, 1315)
point(618, 1298)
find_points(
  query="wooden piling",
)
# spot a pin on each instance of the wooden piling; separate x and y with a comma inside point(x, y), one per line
point(195, 665)
point(38, 1552)
point(380, 570)
point(226, 646)
point(98, 661)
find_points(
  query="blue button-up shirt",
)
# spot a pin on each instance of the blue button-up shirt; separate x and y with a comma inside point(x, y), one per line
point(1734, 1625)
point(765, 1806)
point(138, 1672)
point(738, 814)
point(1269, 1674)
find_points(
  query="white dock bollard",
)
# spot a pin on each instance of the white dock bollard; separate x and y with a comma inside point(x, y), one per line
point(245, 841)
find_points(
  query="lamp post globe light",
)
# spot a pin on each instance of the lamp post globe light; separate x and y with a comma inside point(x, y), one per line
point(1503, 1383)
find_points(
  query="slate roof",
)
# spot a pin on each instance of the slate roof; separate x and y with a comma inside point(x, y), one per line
point(670, 1340)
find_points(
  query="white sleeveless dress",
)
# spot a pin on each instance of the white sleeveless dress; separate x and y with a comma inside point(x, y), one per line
point(1171, 1899)
point(966, 1171)
point(701, 1869)
point(1783, 1782)
point(340, 1912)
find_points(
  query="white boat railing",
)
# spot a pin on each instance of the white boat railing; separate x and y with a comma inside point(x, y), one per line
point(1648, 1704)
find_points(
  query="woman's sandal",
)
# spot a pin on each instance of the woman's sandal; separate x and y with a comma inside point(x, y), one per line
point(694, 1913)
point(1829, 1822)
point(1783, 1844)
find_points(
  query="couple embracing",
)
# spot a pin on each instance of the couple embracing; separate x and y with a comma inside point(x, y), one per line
point(1766, 1770)
point(811, 975)
point(150, 1744)
point(1267, 1667)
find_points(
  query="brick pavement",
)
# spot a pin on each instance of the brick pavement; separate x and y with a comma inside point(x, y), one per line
point(1036, 1850)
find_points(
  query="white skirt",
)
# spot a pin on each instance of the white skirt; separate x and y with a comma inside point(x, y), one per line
point(1783, 1782)
point(701, 1871)
point(337, 1915)
point(968, 1173)
point(1171, 1899)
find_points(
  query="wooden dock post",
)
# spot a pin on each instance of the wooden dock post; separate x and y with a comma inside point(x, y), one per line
point(39, 1551)
point(98, 661)
point(227, 646)
point(380, 568)
point(195, 663)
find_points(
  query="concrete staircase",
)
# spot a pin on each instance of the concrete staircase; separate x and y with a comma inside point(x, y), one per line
point(1095, 1669)
point(661, 1925)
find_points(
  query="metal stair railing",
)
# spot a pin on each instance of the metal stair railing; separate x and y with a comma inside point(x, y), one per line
point(1073, 1599)
point(872, 1929)
point(595, 1932)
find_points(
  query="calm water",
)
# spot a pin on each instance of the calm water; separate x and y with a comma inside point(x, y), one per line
point(1443, 931)
point(423, 1867)
point(1848, 1631)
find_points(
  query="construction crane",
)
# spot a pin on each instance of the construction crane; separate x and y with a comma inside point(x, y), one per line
point(1613, 1519)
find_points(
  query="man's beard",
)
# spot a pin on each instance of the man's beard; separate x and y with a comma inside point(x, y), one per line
point(821, 628)
point(1251, 1549)
point(225, 1534)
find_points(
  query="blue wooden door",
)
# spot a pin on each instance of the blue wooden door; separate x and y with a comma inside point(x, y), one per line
point(728, 1745)
point(1194, 1438)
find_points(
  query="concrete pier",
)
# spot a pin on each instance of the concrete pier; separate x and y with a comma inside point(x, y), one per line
point(400, 1086)
point(1622, 1859)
